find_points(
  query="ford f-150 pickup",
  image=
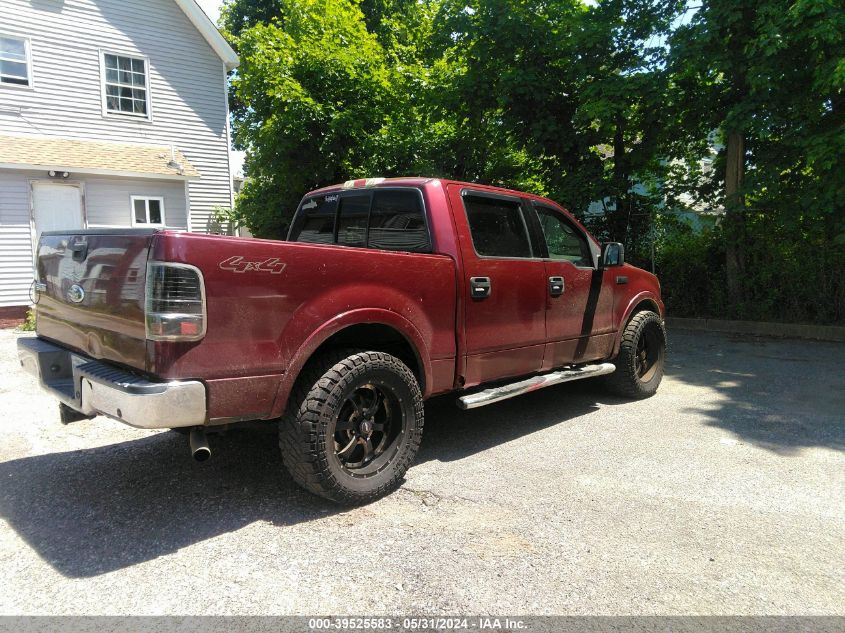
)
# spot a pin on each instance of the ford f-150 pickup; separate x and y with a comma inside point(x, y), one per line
point(385, 293)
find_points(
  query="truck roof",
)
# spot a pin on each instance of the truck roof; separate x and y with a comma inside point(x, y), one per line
point(409, 181)
point(361, 183)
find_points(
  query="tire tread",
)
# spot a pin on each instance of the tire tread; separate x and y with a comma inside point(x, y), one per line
point(303, 450)
point(624, 381)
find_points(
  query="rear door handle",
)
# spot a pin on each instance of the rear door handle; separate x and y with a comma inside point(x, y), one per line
point(556, 286)
point(479, 287)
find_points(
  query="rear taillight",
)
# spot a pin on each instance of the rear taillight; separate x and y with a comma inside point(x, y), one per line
point(175, 302)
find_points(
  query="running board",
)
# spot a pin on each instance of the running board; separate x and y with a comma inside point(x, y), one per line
point(495, 394)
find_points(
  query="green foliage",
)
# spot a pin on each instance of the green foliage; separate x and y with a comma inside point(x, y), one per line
point(315, 87)
point(226, 220)
point(789, 280)
point(529, 95)
point(772, 72)
point(609, 102)
point(29, 323)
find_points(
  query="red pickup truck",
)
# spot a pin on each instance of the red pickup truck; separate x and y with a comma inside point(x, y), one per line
point(386, 292)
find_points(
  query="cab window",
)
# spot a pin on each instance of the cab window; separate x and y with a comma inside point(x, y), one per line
point(397, 222)
point(352, 219)
point(497, 226)
point(563, 239)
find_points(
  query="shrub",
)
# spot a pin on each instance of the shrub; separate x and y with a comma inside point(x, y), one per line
point(791, 275)
point(29, 323)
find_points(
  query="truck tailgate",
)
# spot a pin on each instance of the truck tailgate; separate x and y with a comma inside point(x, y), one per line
point(91, 292)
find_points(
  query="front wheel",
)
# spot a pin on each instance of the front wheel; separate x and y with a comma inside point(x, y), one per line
point(641, 359)
point(353, 425)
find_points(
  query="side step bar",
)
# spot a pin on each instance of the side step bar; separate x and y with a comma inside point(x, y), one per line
point(495, 394)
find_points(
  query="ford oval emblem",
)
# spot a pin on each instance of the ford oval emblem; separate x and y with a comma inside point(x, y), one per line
point(76, 293)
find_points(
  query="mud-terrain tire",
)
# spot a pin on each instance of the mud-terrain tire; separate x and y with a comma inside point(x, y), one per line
point(642, 357)
point(353, 425)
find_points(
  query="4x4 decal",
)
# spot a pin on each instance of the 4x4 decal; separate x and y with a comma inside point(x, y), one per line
point(237, 264)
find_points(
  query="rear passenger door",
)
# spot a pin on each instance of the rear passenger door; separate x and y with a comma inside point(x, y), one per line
point(504, 286)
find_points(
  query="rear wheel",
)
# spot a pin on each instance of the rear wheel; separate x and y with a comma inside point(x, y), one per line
point(641, 359)
point(353, 425)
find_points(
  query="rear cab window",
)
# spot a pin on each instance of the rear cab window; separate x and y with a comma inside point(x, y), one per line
point(397, 222)
point(353, 210)
point(390, 219)
point(314, 221)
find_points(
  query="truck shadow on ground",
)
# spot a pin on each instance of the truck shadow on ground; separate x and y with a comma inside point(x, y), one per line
point(452, 434)
point(92, 511)
point(779, 395)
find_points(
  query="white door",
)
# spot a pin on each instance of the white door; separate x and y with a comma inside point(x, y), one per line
point(56, 207)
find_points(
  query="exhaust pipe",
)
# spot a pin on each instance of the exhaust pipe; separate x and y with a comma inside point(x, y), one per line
point(199, 445)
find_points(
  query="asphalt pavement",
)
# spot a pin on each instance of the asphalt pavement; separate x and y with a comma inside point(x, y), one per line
point(722, 494)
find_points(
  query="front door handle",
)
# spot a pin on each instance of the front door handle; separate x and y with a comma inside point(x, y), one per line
point(479, 287)
point(556, 286)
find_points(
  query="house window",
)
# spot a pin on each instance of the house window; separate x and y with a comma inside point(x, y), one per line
point(14, 61)
point(147, 211)
point(125, 85)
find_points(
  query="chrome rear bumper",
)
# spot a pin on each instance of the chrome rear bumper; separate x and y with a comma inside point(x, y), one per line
point(95, 388)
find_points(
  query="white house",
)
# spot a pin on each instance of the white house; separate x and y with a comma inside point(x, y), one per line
point(113, 113)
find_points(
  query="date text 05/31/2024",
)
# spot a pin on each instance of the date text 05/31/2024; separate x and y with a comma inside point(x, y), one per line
point(416, 624)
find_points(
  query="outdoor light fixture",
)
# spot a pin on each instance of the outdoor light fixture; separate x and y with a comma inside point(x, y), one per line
point(58, 174)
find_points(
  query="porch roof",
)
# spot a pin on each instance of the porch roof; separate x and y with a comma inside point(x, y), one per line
point(94, 157)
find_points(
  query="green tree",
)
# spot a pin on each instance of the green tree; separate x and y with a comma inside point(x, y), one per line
point(622, 111)
point(315, 90)
point(768, 76)
point(577, 91)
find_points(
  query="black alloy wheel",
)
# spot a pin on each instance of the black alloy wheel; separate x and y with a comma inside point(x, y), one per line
point(367, 429)
point(642, 357)
point(352, 426)
point(649, 356)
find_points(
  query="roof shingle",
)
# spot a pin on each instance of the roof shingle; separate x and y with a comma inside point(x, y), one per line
point(94, 156)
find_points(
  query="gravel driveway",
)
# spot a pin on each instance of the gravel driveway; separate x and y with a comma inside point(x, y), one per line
point(723, 494)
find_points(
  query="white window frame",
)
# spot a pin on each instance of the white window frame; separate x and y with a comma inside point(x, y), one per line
point(104, 101)
point(27, 44)
point(132, 200)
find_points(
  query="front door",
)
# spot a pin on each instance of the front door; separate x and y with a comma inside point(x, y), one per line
point(504, 286)
point(578, 323)
point(56, 207)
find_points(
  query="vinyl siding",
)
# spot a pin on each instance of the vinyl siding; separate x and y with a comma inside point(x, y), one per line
point(107, 201)
point(187, 83)
point(15, 240)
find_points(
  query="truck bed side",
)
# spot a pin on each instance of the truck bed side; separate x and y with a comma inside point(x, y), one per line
point(272, 304)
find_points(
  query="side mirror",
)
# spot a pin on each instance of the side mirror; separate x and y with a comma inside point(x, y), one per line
point(612, 254)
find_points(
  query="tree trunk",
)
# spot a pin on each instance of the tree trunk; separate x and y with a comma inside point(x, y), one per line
point(619, 227)
point(735, 216)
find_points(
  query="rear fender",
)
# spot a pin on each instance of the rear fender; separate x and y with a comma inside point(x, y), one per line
point(375, 316)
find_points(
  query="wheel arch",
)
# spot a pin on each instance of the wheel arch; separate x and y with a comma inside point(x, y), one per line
point(642, 301)
point(376, 330)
